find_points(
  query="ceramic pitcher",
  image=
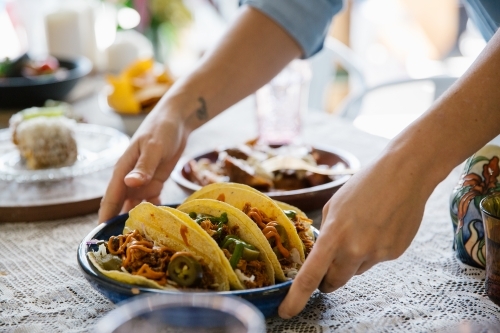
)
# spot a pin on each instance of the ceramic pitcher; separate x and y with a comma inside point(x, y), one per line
point(480, 177)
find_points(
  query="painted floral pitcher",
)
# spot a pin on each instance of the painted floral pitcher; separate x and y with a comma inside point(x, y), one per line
point(480, 177)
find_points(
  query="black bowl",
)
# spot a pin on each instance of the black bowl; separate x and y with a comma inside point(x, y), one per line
point(21, 92)
point(266, 299)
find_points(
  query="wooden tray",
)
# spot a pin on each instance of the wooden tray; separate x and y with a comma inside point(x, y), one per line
point(28, 202)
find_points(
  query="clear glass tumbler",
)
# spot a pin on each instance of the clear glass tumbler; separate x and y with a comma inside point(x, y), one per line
point(490, 211)
point(282, 103)
point(183, 312)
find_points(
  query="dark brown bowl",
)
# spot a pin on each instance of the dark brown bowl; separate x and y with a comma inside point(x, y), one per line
point(307, 199)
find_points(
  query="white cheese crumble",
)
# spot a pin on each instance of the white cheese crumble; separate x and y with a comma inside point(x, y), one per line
point(101, 252)
point(242, 276)
point(291, 273)
point(294, 253)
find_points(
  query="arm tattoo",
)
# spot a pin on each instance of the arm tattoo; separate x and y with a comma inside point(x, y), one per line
point(202, 113)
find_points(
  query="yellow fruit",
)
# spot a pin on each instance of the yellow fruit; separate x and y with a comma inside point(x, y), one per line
point(122, 97)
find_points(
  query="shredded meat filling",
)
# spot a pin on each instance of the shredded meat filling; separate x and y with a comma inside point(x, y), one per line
point(211, 230)
point(302, 225)
point(140, 257)
point(255, 268)
point(267, 225)
point(286, 263)
point(264, 222)
point(209, 227)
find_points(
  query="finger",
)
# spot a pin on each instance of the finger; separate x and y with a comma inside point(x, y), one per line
point(129, 204)
point(150, 193)
point(149, 158)
point(115, 193)
point(308, 278)
point(113, 198)
point(155, 201)
point(365, 266)
point(339, 272)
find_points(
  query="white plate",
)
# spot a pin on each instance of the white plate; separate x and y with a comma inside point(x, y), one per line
point(99, 147)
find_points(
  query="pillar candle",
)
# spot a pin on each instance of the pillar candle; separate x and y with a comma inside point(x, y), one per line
point(64, 35)
point(70, 30)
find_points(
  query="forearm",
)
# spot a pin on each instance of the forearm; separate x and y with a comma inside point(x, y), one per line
point(252, 51)
point(465, 118)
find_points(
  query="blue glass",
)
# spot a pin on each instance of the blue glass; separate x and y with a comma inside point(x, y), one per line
point(183, 312)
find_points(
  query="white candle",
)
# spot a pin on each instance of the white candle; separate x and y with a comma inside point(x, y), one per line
point(87, 29)
point(64, 36)
point(71, 30)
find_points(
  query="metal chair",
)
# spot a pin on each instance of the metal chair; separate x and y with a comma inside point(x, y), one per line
point(387, 108)
point(384, 109)
point(324, 67)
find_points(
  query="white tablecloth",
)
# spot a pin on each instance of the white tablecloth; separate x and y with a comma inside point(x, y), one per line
point(426, 290)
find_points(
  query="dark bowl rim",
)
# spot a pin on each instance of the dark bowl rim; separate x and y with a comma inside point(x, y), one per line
point(124, 288)
point(352, 161)
point(83, 66)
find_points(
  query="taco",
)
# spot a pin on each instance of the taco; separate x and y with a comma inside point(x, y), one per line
point(289, 233)
point(302, 224)
point(243, 247)
point(158, 250)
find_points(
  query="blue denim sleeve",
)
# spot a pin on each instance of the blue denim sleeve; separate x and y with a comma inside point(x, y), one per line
point(307, 21)
point(485, 14)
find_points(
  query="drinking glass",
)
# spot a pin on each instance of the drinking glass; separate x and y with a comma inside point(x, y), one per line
point(490, 211)
point(183, 312)
point(282, 103)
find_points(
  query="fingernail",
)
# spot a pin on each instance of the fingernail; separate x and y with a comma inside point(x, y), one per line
point(136, 175)
point(283, 315)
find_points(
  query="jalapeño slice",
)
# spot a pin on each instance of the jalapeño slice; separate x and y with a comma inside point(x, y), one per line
point(184, 269)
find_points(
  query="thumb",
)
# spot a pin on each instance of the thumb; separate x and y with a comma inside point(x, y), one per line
point(145, 167)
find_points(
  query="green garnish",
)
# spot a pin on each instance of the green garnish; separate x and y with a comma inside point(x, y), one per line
point(35, 112)
point(240, 250)
point(220, 221)
point(4, 67)
point(290, 213)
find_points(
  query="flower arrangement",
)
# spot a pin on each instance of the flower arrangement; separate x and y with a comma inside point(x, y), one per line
point(160, 20)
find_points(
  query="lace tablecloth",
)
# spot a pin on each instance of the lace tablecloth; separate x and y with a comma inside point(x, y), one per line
point(425, 290)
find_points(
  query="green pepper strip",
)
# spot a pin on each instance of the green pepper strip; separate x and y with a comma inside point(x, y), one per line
point(234, 239)
point(238, 249)
point(238, 252)
point(290, 213)
point(225, 243)
point(222, 220)
point(200, 218)
point(219, 220)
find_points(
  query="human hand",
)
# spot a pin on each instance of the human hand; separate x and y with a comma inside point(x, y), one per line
point(372, 218)
point(147, 163)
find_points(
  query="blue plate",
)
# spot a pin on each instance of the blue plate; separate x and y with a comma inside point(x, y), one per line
point(266, 299)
